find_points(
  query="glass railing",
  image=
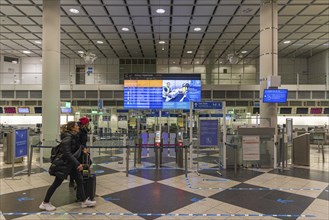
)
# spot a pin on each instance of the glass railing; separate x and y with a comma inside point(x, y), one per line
point(106, 78)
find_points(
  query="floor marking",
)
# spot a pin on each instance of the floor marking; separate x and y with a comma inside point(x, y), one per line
point(157, 214)
point(250, 189)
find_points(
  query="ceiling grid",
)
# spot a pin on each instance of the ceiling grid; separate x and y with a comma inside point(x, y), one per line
point(225, 26)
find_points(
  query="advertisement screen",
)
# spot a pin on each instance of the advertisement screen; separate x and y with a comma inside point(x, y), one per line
point(275, 95)
point(10, 110)
point(23, 110)
point(302, 111)
point(65, 110)
point(316, 111)
point(161, 91)
point(38, 110)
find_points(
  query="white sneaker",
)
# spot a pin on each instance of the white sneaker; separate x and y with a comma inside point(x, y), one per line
point(47, 206)
point(88, 203)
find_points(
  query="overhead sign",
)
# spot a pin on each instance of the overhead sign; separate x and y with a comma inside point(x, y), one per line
point(100, 103)
point(207, 105)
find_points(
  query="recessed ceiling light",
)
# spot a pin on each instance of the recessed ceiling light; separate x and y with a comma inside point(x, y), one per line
point(287, 42)
point(38, 42)
point(244, 51)
point(197, 29)
point(325, 44)
point(160, 11)
point(100, 42)
point(14, 62)
point(197, 62)
point(125, 29)
point(74, 11)
point(189, 51)
point(162, 42)
point(80, 51)
point(26, 51)
point(174, 62)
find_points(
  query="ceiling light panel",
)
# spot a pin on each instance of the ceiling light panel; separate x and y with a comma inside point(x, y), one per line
point(225, 10)
point(82, 20)
point(102, 20)
point(117, 10)
point(106, 29)
point(30, 10)
point(156, 6)
point(204, 10)
point(96, 10)
point(138, 10)
point(182, 10)
point(9, 10)
point(291, 10)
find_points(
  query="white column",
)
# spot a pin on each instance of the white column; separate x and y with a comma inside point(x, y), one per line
point(268, 57)
point(50, 70)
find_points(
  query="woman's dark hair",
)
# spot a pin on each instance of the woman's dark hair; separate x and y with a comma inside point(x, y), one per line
point(68, 127)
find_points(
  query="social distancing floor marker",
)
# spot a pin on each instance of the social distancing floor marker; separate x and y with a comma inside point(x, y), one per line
point(251, 189)
point(155, 214)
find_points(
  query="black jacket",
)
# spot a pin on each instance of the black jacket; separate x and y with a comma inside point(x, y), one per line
point(83, 136)
point(70, 145)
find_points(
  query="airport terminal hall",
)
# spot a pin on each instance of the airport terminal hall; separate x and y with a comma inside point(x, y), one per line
point(164, 109)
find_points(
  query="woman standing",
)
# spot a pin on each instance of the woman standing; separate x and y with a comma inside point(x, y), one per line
point(69, 149)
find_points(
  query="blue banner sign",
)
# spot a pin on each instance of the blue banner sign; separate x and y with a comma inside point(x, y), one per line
point(21, 142)
point(100, 103)
point(208, 133)
point(207, 105)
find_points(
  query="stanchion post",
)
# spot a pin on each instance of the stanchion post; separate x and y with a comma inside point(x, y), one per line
point(127, 160)
point(29, 167)
point(185, 148)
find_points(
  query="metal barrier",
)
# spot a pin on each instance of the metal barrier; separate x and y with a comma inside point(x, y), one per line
point(115, 147)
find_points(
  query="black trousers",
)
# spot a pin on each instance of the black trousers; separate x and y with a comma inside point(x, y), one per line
point(77, 176)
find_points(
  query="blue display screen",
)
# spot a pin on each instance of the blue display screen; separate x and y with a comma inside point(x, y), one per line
point(275, 95)
point(65, 110)
point(160, 91)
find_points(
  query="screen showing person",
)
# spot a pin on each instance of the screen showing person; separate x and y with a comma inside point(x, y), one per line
point(23, 110)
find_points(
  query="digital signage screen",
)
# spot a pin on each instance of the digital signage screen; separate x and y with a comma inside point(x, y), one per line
point(65, 110)
point(10, 110)
point(285, 111)
point(316, 111)
point(23, 110)
point(1, 110)
point(326, 111)
point(38, 110)
point(275, 95)
point(161, 91)
point(302, 111)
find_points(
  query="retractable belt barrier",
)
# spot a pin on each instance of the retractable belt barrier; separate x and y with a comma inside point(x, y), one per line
point(137, 146)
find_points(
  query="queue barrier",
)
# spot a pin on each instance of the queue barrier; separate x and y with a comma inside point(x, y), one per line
point(186, 147)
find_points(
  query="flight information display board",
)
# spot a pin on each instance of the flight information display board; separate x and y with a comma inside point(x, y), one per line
point(275, 95)
point(161, 91)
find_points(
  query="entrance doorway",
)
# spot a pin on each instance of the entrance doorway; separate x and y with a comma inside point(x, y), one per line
point(80, 72)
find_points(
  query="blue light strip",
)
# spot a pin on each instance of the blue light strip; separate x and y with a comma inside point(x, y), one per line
point(154, 214)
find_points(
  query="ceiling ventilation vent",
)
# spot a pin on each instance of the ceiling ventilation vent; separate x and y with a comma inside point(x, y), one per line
point(11, 59)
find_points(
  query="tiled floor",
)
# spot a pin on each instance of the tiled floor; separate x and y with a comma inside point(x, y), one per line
point(166, 193)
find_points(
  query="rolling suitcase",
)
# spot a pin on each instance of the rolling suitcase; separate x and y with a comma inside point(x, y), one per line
point(89, 180)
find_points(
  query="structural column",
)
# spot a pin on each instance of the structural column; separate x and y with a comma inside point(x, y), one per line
point(268, 58)
point(50, 70)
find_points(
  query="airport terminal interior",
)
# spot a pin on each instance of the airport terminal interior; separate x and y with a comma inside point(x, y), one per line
point(197, 109)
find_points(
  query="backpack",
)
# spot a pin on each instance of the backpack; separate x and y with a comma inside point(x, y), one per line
point(55, 152)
